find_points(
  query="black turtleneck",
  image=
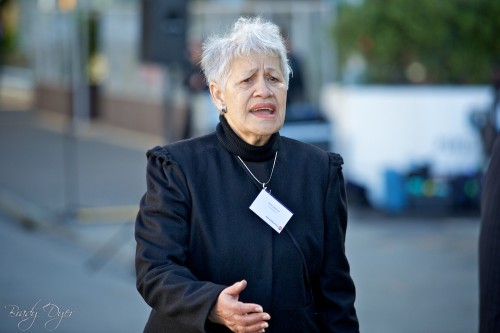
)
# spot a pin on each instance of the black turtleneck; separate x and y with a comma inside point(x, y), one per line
point(235, 145)
point(259, 159)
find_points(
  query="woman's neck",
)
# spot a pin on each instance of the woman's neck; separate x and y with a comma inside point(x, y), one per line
point(237, 146)
point(250, 138)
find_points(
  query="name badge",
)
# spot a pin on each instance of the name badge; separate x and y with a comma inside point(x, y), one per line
point(271, 211)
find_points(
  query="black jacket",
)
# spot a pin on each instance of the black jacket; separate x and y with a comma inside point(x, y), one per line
point(196, 235)
point(489, 247)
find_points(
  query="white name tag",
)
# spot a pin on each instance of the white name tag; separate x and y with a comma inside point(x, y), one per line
point(271, 211)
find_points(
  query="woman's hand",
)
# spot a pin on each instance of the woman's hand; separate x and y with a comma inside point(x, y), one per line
point(237, 316)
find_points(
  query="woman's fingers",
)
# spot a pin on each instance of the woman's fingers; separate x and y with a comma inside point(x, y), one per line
point(251, 322)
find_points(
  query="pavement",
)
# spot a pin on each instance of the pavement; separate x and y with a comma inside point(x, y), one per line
point(415, 274)
point(48, 285)
point(68, 198)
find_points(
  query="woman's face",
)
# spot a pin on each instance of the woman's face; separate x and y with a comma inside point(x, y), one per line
point(255, 97)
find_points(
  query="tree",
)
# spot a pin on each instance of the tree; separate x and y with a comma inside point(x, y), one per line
point(425, 41)
point(9, 17)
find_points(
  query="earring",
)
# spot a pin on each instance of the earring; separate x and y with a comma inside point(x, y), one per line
point(223, 108)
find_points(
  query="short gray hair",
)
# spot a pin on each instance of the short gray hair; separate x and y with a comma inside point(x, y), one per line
point(247, 36)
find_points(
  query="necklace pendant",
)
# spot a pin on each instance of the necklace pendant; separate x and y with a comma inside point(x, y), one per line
point(271, 176)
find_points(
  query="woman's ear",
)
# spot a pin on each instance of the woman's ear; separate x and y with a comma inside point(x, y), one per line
point(216, 93)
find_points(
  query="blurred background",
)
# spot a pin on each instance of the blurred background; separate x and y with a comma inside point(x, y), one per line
point(406, 91)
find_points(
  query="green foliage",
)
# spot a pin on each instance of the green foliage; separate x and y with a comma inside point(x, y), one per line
point(447, 41)
point(8, 28)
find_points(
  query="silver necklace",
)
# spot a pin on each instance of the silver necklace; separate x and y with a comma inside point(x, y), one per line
point(258, 181)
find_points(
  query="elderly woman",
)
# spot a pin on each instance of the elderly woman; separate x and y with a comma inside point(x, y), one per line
point(243, 230)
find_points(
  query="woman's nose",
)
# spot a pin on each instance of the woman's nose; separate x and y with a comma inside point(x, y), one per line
point(262, 88)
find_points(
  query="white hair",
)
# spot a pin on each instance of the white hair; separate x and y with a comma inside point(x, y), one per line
point(247, 37)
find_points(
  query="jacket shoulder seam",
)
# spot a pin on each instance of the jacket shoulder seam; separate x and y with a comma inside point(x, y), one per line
point(161, 153)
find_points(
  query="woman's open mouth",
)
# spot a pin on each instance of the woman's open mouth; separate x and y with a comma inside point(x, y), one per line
point(264, 110)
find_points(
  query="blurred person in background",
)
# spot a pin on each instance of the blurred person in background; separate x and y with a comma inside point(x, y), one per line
point(198, 120)
point(216, 252)
point(489, 237)
point(296, 89)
